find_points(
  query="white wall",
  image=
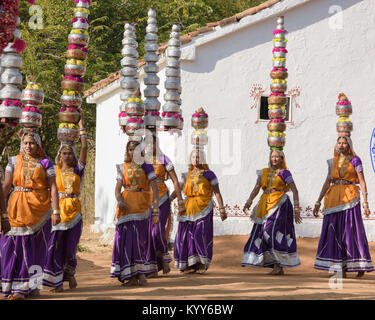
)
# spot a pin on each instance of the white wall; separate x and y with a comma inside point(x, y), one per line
point(321, 61)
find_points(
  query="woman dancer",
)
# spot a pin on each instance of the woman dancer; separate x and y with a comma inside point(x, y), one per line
point(164, 169)
point(194, 239)
point(24, 248)
point(272, 241)
point(343, 244)
point(129, 259)
point(61, 260)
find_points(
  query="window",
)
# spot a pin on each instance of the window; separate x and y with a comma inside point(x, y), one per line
point(263, 110)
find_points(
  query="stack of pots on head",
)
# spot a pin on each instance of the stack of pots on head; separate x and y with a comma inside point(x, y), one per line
point(199, 121)
point(129, 82)
point(32, 98)
point(151, 92)
point(277, 99)
point(11, 79)
point(171, 115)
point(135, 110)
point(75, 68)
point(344, 126)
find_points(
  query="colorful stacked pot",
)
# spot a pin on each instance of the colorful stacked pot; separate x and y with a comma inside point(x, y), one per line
point(277, 99)
point(129, 72)
point(344, 109)
point(199, 121)
point(73, 84)
point(151, 80)
point(172, 97)
point(131, 122)
point(11, 79)
point(32, 98)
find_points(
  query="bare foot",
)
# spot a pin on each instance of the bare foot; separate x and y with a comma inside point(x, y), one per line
point(277, 270)
point(166, 268)
point(201, 269)
point(360, 274)
point(72, 282)
point(131, 283)
point(58, 289)
point(16, 296)
point(152, 275)
point(188, 271)
point(142, 280)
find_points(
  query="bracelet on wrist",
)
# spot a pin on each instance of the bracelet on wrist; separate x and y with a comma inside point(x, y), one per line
point(181, 202)
point(82, 129)
point(83, 135)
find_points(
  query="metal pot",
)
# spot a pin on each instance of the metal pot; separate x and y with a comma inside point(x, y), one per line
point(11, 76)
point(129, 26)
point(279, 54)
point(82, 4)
point(80, 25)
point(171, 96)
point(129, 83)
point(171, 107)
point(175, 35)
point(71, 85)
point(30, 119)
point(151, 37)
point(129, 62)
point(128, 33)
point(130, 43)
point(279, 74)
point(151, 121)
point(67, 134)
point(71, 101)
point(279, 44)
point(151, 79)
point(71, 117)
point(172, 72)
point(276, 113)
point(173, 52)
point(134, 109)
point(151, 57)
point(133, 127)
point(280, 35)
point(79, 15)
point(344, 126)
point(10, 112)
point(278, 87)
point(76, 54)
point(280, 100)
point(10, 91)
point(199, 122)
point(122, 121)
point(151, 68)
point(152, 104)
point(279, 64)
point(11, 61)
point(125, 94)
point(173, 42)
point(176, 28)
point(151, 20)
point(151, 92)
point(276, 126)
point(75, 70)
point(78, 38)
point(129, 52)
point(170, 122)
point(344, 110)
point(151, 28)
point(172, 83)
point(173, 63)
point(9, 49)
point(276, 141)
point(32, 96)
point(129, 72)
point(151, 47)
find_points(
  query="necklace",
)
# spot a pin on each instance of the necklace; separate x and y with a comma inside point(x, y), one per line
point(28, 166)
point(272, 174)
point(343, 165)
point(134, 172)
point(68, 179)
point(196, 173)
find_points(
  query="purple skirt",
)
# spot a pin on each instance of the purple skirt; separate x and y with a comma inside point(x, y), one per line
point(194, 243)
point(158, 246)
point(273, 241)
point(343, 242)
point(130, 256)
point(61, 259)
point(22, 261)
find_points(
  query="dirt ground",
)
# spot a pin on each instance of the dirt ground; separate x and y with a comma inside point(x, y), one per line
point(225, 279)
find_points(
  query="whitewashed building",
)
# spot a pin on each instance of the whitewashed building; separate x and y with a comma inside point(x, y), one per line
point(225, 69)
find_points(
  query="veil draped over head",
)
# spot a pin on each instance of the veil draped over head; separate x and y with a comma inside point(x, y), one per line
point(38, 141)
point(350, 143)
point(65, 145)
point(281, 153)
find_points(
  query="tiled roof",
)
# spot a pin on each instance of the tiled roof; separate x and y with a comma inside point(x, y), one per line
point(185, 39)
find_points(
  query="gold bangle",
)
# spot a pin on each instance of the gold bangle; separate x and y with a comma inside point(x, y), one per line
point(56, 212)
point(155, 210)
point(181, 202)
point(4, 216)
point(318, 203)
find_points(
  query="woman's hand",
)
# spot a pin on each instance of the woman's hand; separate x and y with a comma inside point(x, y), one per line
point(56, 219)
point(297, 215)
point(155, 220)
point(121, 206)
point(247, 206)
point(5, 226)
point(181, 209)
point(223, 215)
point(316, 209)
